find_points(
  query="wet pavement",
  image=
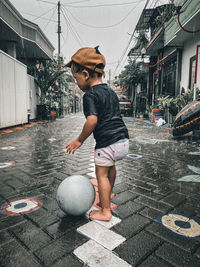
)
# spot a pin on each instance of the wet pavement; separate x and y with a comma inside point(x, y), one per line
point(156, 223)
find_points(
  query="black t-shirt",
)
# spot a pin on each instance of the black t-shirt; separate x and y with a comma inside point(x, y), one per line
point(102, 101)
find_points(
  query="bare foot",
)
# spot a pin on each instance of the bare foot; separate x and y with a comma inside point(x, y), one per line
point(112, 205)
point(112, 195)
point(100, 216)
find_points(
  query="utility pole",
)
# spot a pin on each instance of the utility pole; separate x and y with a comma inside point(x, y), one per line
point(59, 30)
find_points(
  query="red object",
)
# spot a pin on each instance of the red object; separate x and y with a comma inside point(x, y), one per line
point(156, 112)
point(186, 30)
point(196, 64)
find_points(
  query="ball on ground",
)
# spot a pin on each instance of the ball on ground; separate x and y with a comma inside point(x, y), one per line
point(75, 195)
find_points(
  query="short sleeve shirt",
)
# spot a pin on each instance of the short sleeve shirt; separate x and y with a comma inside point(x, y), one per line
point(102, 101)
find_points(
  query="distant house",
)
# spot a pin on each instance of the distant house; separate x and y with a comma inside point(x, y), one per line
point(173, 50)
point(22, 44)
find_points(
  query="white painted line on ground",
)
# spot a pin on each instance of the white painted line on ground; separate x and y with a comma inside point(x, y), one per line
point(101, 235)
point(92, 174)
point(92, 169)
point(94, 255)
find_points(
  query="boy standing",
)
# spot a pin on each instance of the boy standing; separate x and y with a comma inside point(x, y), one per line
point(103, 119)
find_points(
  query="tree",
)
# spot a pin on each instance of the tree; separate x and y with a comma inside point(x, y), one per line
point(132, 74)
point(130, 78)
point(51, 80)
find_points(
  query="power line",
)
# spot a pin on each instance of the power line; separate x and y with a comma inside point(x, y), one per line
point(44, 13)
point(47, 2)
point(129, 42)
point(64, 39)
point(49, 20)
point(103, 27)
point(72, 29)
point(103, 5)
point(51, 3)
point(37, 16)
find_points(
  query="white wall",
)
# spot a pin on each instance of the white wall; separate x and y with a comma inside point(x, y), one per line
point(189, 51)
point(13, 91)
point(32, 97)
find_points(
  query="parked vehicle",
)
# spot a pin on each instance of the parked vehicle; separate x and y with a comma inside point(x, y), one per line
point(125, 106)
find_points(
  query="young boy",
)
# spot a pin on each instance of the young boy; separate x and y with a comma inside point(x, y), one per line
point(103, 119)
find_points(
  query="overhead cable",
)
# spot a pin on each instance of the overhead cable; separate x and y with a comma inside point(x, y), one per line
point(103, 5)
point(43, 13)
point(37, 16)
point(71, 28)
point(47, 2)
point(103, 27)
point(49, 19)
point(129, 42)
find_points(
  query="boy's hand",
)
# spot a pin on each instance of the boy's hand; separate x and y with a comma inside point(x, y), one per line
point(73, 146)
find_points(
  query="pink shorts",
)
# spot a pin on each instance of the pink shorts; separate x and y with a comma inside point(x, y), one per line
point(106, 156)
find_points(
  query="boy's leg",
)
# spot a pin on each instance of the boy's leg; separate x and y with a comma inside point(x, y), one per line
point(104, 187)
point(111, 177)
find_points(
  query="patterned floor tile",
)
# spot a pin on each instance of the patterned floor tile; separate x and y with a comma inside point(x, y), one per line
point(94, 255)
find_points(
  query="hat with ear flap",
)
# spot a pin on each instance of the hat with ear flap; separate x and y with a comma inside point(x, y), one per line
point(89, 58)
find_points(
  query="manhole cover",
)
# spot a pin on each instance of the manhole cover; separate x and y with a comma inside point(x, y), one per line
point(6, 164)
point(21, 206)
point(135, 156)
point(181, 225)
point(8, 148)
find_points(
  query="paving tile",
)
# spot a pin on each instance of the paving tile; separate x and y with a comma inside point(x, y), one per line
point(131, 225)
point(60, 247)
point(65, 225)
point(198, 252)
point(109, 224)
point(153, 261)
point(121, 188)
point(91, 174)
point(127, 209)
point(13, 254)
point(144, 192)
point(179, 258)
point(184, 243)
point(153, 204)
point(123, 197)
point(174, 199)
point(95, 255)
point(68, 260)
point(101, 235)
point(150, 213)
point(92, 169)
point(5, 237)
point(135, 249)
point(10, 221)
point(143, 185)
point(32, 237)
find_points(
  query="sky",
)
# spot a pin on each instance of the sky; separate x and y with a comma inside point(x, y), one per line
point(107, 23)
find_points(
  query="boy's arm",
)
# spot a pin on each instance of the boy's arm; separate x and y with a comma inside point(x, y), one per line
point(88, 128)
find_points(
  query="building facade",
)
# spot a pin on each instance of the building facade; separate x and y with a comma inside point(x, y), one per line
point(22, 44)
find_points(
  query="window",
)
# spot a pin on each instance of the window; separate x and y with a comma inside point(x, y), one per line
point(192, 72)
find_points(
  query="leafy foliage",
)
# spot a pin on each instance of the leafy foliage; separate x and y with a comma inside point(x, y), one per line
point(174, 105)
point(52, 82)
point(132, 74)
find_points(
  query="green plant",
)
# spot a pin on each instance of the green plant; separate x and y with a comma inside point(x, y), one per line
point(132, 74)
point(174, 105)
point(51, 78)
